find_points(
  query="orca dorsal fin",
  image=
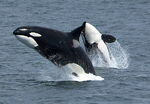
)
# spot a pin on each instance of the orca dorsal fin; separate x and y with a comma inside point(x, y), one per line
point(77, 31)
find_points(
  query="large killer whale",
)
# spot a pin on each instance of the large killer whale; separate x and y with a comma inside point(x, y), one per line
point(94, 39)
point(61, 48)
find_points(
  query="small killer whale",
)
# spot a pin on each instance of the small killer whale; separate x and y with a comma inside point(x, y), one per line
point(61, 48)
point(94, 39)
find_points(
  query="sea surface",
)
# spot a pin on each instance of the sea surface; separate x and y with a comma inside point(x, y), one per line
point(24, 77)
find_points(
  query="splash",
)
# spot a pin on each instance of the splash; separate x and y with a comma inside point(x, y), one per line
point(119, 57)
point(65, 74)
point(87, 77)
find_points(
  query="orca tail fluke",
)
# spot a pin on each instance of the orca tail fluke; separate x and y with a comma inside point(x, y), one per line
point(108, 38)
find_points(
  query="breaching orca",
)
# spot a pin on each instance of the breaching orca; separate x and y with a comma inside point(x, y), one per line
point(94, 39)
point(61, 48)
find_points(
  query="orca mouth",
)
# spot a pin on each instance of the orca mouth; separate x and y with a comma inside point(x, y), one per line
point(21, 31)
point(83, 34)
point(17, 32)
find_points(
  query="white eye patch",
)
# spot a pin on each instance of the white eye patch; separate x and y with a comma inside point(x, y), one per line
point(23, 29)
point(34, 34)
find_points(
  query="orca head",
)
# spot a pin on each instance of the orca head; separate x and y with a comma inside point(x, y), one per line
point(93, 39)
point(92, 36)
point(90, 33)
point(26, 35)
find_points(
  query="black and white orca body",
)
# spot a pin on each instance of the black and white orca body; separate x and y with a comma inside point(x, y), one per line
point(94, 39)
point(60, 48)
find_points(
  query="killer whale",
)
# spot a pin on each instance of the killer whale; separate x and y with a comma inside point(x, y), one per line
point(94, 39)
point(61, 48)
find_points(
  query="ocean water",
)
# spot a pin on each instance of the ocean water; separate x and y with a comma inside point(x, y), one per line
point(25, 76)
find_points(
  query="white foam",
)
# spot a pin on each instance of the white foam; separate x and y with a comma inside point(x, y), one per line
point(55, 73)
point(87, 77)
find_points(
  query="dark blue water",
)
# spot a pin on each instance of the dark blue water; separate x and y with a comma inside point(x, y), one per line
point(20, 66)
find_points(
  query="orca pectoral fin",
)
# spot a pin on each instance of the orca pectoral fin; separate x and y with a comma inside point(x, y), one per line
point(108, 38)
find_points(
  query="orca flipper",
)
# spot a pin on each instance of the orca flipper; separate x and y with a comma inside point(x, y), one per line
point(108, 38)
